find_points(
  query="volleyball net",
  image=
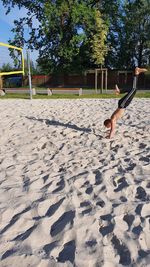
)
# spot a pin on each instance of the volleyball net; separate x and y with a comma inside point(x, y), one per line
point(11, 60)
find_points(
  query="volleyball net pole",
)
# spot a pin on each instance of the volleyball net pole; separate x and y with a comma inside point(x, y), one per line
point(14, 55)
point(20, 50)
point(29, 73)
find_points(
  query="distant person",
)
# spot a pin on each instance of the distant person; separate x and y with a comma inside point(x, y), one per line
point(122, 103)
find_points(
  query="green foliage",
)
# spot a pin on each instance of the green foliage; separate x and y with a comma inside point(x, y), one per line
point(136, 32)
point(129, 32)
point(98, 41)
point(74, 35)
point(64, 35)
point(112, 13)
point(70, 27)
point(6, 67)
point(34, 68)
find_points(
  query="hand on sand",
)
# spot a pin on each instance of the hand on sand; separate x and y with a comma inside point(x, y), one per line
point(109, 137)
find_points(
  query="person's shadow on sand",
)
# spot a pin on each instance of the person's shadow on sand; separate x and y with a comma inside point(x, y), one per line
point(57, 123)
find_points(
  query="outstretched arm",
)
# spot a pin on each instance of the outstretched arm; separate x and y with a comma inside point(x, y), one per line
point(112, 128)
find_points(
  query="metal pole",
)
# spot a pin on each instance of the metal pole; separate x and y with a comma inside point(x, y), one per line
point(1, 83)
point(106, 77)
point(102, 81)
point(96, 80)
point(29, 73)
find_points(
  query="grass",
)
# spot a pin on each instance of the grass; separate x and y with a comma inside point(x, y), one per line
point(70, 96)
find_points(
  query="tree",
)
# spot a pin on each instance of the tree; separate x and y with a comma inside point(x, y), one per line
point(98, 42)
point(6, 67)
point(34, 68)
point(66, 35)
point(136, 40)
point(112, 15)
point(129, 32)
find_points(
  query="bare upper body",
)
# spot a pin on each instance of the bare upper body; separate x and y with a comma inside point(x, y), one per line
point(115, 116)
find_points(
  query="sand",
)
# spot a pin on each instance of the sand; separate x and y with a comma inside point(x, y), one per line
point(69, 196)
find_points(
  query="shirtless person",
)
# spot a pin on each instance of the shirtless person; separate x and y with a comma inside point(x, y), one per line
point(122, 104)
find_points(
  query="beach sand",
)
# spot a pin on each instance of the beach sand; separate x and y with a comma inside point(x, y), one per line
point(69, 196)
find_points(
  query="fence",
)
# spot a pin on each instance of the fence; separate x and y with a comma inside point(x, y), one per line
point(122, 78)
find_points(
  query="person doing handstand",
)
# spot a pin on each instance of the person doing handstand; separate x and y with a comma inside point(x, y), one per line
point(122, 103)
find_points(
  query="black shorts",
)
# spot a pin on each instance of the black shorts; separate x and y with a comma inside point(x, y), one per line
point(126, 100)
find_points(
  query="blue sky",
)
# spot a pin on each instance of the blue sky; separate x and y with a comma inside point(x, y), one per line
point(6, 24)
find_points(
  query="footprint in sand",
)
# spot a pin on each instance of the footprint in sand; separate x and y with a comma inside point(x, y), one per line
point(89, 190)
point(145, 160)
point(60, 224)
point(14, 219)
point(122, 251)
point(49, 247)
point(129, 219)
point(131, 167)
point(9, 253)
point(137, 230)
point(60, 186)
point(141, 194)
point(26, 184)
point(68, 252)
point(87, 206)
point(106, 224)
point(121, 184)
point(26, 234)
point(53, 208)
point(45, 178)
point(98, 177)
point(100, 203)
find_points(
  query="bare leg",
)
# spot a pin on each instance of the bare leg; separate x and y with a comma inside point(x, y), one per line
point(136, 73)
point(117, 90)
point(139, 70)
point(126, 100)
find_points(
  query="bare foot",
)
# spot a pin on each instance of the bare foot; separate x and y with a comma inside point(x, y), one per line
point(139, 70)
point(117, 90)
